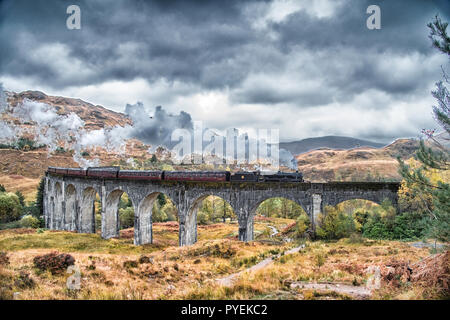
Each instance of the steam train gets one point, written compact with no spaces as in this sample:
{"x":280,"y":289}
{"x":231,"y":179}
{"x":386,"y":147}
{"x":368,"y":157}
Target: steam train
{"x":212,"y":176}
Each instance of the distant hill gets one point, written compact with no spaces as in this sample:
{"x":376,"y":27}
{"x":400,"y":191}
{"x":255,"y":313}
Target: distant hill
{"x":357,"y":164}
{"x":330,"y":142}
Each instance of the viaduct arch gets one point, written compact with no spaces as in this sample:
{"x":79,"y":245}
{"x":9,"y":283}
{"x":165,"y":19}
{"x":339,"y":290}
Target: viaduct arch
{"x":69,"y":201}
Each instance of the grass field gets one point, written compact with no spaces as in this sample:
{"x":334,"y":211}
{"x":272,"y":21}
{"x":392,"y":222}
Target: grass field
{"x":116,"y":269}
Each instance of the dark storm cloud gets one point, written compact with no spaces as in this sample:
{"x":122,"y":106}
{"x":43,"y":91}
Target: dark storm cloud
{"x":156,"y":130}
{"x":203,"y":42}
{"x":351,"y":58}
{"x":299,"y":62}
{"x":175,"y":40}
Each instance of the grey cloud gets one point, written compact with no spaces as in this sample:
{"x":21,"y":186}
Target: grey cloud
{"x":209,"y":45}
{"x":156,"y":129}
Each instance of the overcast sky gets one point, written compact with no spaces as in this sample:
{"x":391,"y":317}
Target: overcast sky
{"x":309,"y":68}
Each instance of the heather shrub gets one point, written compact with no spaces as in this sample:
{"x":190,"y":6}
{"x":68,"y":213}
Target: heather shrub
{"x":4,"y":259}
{"x":130,"y":264}
{"x":24,"y":281}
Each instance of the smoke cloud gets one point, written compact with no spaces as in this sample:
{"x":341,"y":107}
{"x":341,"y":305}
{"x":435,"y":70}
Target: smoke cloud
{"x":3,"y":103}
{"x":157,"y":129}
{"x":55,"y":130}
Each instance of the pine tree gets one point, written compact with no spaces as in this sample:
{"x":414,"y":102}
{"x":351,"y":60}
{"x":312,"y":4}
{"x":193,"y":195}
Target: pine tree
{"x":21,"y":198}
{"x":40,"y":197}
{"x":436,"y":157}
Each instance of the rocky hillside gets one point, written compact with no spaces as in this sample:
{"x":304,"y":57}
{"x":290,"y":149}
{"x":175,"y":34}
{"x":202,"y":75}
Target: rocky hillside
{"x":94,"y":116}
{"x":358,"y":164}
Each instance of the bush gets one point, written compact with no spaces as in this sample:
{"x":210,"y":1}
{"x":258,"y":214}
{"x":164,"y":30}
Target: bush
{"x":25,"y":144}
{"x":145,"y":259}
{"x":320,"y":259}
{"x":21,"y":198}
{"x":4,"y":259}
{"x":126,"y":217}
{"x":334,"y":224}
{"x":24,"y":281}
{"x":98,"y":221}
{"x":130,"y":264}
{"x":29,"y":221}
{"x":54,"y":262}
{"x":10,"y":208}
{"x":32,"y":209}
{"x":355,"y":238}
{"x":60,"y":150}
{"x":411,"y":226}
{"x":10,"y":225}
{"x":202,"y":218}
{"x":402,"y":227}
{"x":158,"y":215}
{"x":376,"y":228}
{"x":302,"y":225}
{"x":39,"y":203}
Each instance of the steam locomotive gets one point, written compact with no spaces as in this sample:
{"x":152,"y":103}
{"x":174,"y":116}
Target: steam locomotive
{"x":220,"y":176}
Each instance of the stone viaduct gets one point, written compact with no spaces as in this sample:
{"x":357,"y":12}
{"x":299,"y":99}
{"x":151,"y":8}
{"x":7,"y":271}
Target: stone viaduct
{"x":69,"y":202}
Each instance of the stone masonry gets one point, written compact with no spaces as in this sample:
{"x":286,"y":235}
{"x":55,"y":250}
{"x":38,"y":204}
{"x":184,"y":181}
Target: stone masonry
{"x":69,"y":202}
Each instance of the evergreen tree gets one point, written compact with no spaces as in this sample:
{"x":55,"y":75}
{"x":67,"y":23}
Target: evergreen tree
{"x":40,"y":197}
{"x":161,"y":199}
{"x":21,"y":198}
{"x":437,"y":156}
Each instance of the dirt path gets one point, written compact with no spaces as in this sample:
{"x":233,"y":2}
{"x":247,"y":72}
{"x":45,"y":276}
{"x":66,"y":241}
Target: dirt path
{"x":228,"y":280}
{"x":359,"y":292}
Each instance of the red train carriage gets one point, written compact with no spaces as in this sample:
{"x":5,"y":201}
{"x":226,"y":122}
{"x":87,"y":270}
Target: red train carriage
{"x":140,"y":175}
{"x":77,"y":172}
{"x":196,"y":175}
{"x":57,"y":170}
{"x":103,"y":172}
{"x":51,"y":169}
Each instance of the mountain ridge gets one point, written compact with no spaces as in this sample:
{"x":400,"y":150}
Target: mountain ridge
{"x":297,"y":147}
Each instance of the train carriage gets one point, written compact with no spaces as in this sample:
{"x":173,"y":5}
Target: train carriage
{"x":140,"y":175}
{"x":57,"y":170}
{"x":103,"y":172}
{"x":78,"y":172}
{"x":206,"y":176}
{"x":197,"y":175}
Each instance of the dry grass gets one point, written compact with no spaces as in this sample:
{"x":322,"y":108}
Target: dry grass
{"x":116,"y":269}
{"x":28,"y":186}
